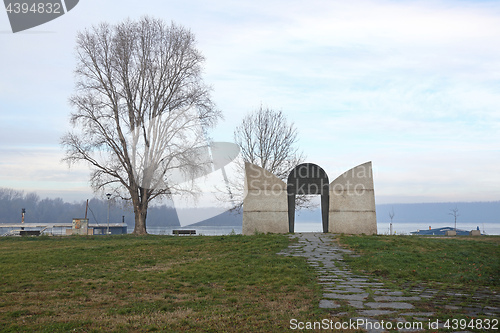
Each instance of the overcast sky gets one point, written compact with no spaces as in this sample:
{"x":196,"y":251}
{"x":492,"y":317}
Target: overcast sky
{"x":413,"y":86}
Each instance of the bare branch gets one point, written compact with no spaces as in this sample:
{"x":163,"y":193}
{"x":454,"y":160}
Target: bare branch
{"x":266,"y":139}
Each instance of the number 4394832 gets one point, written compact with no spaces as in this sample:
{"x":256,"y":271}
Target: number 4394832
{"x":455,"y":324}
{"x":36,"y":8}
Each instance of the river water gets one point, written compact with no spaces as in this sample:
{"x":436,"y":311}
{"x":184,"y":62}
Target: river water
{"x":382,"y":228}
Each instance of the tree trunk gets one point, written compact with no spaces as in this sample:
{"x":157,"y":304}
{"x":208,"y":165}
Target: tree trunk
{"x":140,"y":202}
{"x":140,"y":223}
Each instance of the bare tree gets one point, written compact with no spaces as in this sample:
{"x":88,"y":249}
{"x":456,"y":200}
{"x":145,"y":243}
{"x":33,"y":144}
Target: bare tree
{"x":391,"y":216}
{"x":266,"y":139}
{"x":454,"y":213}
{"x":141,"y":110}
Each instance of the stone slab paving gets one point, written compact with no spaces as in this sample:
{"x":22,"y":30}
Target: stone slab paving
{"x":366,"y":297}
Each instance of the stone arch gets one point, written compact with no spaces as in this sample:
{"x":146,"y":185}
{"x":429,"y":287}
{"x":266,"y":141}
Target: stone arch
{"x":308,"y":178}
{"x":347,"y":203}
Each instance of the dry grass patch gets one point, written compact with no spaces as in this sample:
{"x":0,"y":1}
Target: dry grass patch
{"x":153,"y":283}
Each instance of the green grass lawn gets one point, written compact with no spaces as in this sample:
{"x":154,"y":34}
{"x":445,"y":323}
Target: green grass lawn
{"x":210,"y":283}
{"x":457,"y":262}
{"x":153,"y":283}
{"x":462,"y":273}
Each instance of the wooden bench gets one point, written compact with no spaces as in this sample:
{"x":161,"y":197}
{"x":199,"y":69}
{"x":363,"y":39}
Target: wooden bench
{"x":184,"y":232}
{"x":29,"y":232}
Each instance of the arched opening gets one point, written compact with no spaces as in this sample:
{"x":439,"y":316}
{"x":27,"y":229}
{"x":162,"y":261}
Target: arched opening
{"x":307,"y":179}
{"x":308,"y":219}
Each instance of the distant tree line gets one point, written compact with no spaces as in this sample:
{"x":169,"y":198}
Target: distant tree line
{"x":47,"y":210}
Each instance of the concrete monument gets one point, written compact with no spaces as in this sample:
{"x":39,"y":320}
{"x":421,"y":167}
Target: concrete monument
{"x":265,"y":207}
{"x":352,"y":202}
{"x":347,"y":203}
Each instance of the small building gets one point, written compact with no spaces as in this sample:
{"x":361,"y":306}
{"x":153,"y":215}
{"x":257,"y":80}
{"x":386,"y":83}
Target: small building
{"x":77,"y":227}
{"x":440,"y":232}
{"x":114,"y":229}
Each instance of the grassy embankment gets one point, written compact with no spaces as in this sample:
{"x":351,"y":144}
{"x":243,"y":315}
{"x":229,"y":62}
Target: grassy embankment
{"x":210,"y":284}
{"x":444,"y":262}
{"x":153,"y":283}
{"x":460,"y":273}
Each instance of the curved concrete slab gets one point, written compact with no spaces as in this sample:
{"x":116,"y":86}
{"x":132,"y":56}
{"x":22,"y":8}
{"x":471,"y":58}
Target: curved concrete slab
{"x":265,"y":207}
{"x":352,"y":202}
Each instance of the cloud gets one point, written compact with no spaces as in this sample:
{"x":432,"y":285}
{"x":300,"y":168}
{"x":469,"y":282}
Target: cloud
{"x":39,"y":169}
{"x":411,"y":85}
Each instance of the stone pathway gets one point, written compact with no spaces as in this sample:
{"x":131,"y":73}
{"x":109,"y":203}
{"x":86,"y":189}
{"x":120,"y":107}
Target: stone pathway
{"x":367,"y":299}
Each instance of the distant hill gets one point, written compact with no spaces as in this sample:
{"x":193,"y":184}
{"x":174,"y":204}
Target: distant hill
{"x":57,"y":211}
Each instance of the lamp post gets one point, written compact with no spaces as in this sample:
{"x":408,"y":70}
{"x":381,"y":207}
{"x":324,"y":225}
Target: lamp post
{"x":109,"y":197}
{"x":23,"y":211}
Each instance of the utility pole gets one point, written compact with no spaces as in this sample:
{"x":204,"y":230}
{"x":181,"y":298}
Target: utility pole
{"x":454,"y":213}
{"x":86,"y":208}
